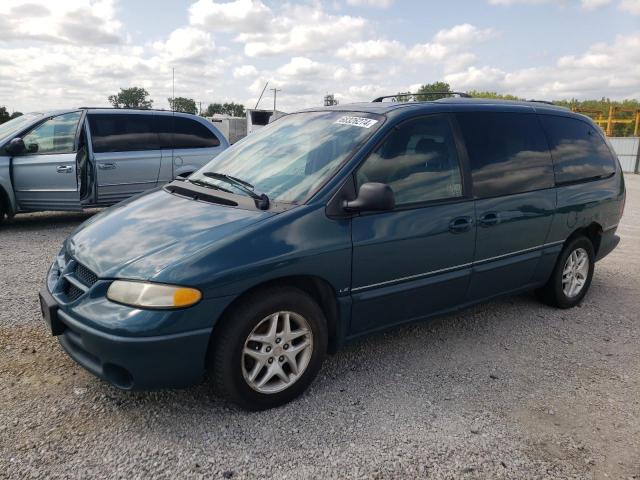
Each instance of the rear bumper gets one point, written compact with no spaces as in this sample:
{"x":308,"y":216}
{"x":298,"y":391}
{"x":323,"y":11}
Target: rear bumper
{"x":608,"y":242}
{"x":133,"y":363}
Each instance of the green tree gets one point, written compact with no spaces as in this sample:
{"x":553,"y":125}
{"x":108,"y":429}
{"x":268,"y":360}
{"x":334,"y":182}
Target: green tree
{"x":16,"y":114}
{"x":134,"y":97}
{"x":182,"y":104}
{"x":496,"y":95}
{"x":231,"y":108}
{"x":4,"y":115}
{"x":428,"y":91}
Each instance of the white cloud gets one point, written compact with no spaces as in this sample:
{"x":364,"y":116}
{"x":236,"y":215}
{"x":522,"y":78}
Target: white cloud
{"x":631,"y":6}
{"x":70,"y":21}
{"x":449,"y":47}
{"x":302,"y":29}
{"x":301,"y":67}
{"x":186,"y":44}
{"x":593,"y":4}
{"x":371,"y":50}
{"x":605,"y":69}
{"x":239,"y":15}
{"x":245,"y":71}
{"x":463,"y":34}
{"x":371,"y":3}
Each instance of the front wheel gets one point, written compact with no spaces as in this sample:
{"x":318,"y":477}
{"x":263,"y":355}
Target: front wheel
{"x":268,"y":349}
{"x":571,"y":277}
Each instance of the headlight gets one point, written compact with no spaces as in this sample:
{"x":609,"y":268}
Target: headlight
{"x":152,"y":295}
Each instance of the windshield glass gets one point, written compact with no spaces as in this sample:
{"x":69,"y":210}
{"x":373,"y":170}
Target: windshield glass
{"x":17,"y":123}
{"x":292,"y":157}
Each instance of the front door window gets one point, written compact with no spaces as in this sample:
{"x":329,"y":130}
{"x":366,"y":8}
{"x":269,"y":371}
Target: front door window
{"x":418,"y":160}
{"x":56,"y":135}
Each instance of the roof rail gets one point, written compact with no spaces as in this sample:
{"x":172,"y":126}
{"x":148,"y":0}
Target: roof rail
{"x":460,"y":94}
{"x":129,"y":108}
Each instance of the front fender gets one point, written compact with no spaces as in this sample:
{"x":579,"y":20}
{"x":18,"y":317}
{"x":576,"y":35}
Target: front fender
{"x":300,"y":242}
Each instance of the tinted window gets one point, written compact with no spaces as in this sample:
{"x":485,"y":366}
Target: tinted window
{"x":189,"y":133}
{"x":508,"y":152}
{"x":56,"y":135}
{"x":418,"y":160}
{"x":114,"y":132}
{"x":578,"y":149}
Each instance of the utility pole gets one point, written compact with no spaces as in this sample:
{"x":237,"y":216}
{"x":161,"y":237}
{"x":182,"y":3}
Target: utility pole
{"x":275,"y":94}
{"x":173,"y":87}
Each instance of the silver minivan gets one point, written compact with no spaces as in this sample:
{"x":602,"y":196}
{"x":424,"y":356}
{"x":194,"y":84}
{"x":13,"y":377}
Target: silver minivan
{"x":89,"y":157}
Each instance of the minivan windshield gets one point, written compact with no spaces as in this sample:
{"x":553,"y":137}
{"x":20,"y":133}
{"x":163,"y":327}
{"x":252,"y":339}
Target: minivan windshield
{"x":292,"y":157}
{"x":15,"y":124}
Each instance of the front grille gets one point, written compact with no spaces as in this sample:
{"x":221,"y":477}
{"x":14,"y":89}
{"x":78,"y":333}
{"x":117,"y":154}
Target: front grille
{"x":72,"y":292}
{"x":85,"y":275}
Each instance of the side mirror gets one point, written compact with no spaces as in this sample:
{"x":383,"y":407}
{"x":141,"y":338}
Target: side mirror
{"x":372,"y":197}
{"x":15,"y":146}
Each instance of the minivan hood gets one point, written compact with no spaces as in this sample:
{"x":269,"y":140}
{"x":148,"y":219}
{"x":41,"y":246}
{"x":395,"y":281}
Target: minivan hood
{"x":140,"y":237}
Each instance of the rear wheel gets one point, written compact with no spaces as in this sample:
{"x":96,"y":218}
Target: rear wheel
{"x":268,"y":349}
{"x":571,"y":277}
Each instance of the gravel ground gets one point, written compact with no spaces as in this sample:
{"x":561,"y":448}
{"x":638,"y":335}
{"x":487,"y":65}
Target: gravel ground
{"x":509,"y":389}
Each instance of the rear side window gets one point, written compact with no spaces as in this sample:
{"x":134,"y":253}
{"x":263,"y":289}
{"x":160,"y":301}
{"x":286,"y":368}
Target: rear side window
{"x":122,"y":132}
{"x":188,"y":133}
{"x":418,"y":160}
{"x":579,"y":152}
{"x":508,"y":152}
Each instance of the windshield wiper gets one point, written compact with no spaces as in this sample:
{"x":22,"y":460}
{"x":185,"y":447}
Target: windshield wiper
{"x":207,"y":185}
{"x":262,"y":201}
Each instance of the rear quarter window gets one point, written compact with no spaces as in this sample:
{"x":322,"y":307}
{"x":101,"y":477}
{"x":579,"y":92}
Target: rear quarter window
{"x":508,"y":152}
{"x":188,"y":133}
{"x":578,"y":149}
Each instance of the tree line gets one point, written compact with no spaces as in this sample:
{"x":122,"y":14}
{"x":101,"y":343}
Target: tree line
{"x":592,"y":108}
{"x":136,"y":97}
{"x":5,"y":116}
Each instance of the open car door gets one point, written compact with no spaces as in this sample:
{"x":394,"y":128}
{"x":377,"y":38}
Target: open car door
{"x":45,"y":176}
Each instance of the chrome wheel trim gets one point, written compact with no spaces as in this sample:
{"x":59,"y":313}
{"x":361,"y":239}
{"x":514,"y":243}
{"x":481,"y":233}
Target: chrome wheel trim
{"x":277,"y":352}
{"x":575,"y":272}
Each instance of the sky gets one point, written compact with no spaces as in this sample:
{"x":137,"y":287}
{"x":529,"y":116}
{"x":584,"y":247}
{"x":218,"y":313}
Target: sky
{"x":72,"y":53}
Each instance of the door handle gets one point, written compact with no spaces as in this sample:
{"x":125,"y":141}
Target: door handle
{"x":64,"y":169}
{"x":489,"y":219}
{"x":106,"y":166}
{"x":460,"y":224}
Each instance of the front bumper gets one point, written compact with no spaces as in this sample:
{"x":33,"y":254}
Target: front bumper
{"x":132,"y":363}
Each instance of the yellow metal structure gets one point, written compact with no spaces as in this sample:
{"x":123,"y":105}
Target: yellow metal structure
{"x":607,"y":123}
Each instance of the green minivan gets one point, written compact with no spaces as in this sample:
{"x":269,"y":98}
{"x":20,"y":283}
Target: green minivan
{"x":327,"y":225}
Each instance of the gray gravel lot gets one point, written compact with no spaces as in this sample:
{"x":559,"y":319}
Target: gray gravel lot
{"x":509,"y":389}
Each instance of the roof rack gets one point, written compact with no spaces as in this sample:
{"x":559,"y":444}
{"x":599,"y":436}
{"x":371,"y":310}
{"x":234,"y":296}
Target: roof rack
{"x":541,"y":101}
{"x":460,"y":94}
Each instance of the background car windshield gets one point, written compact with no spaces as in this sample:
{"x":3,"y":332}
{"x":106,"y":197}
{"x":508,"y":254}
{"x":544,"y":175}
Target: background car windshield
{"x":17,"y":123}
{"x":295,"y":155}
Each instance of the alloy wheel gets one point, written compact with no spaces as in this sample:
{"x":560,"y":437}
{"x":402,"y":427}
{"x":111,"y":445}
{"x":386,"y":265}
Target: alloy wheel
{"x":277,"y":352}
{"x":575,"y":272}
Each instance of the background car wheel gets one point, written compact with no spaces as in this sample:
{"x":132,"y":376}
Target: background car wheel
{"x":2,"y":208}
{"x":268,"y":349}
{"x":571,"y":276}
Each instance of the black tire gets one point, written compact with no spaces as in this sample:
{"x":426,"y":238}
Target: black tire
{"x":2,"y":208}
{"x":553,"y":293}
{"x":225,"y":361}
